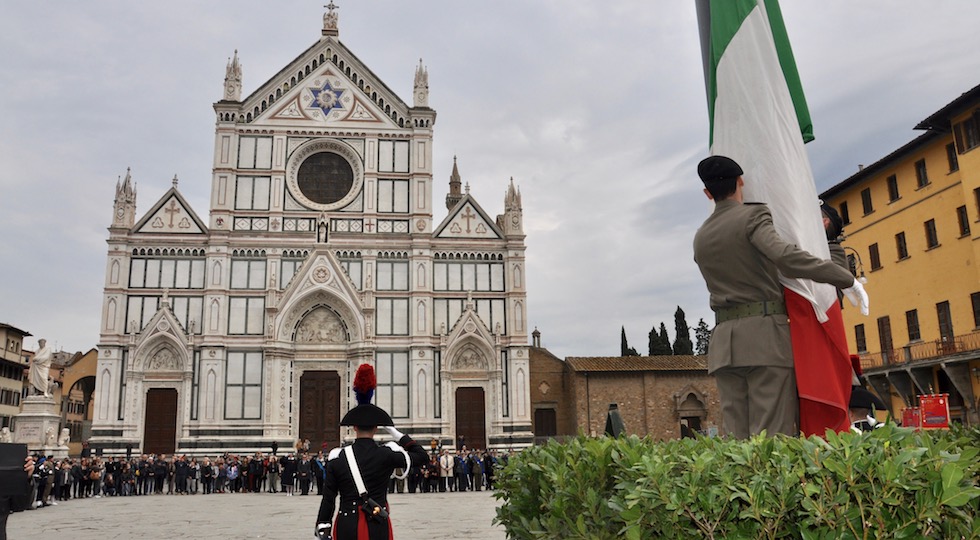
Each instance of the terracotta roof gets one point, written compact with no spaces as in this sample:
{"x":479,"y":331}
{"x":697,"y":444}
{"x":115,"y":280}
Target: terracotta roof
{"x":639,"y":363}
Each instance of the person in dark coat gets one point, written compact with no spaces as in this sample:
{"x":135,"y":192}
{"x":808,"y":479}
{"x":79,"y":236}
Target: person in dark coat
{"x":363,"y":516}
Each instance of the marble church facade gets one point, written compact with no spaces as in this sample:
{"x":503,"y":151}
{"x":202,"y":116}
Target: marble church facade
{"x":228,"y":331}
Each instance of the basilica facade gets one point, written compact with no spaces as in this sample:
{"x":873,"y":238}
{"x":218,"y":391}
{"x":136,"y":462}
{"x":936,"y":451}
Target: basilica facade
{"x":230,"y":331}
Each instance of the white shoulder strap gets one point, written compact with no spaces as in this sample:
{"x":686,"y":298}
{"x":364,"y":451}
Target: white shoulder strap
{"x":354,"y":470}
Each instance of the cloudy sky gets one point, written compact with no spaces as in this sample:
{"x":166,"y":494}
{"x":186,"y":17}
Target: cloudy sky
{"x":596,"y":109}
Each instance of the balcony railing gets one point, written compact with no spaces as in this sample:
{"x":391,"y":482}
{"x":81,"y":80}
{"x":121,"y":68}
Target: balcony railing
{"x":924,"y":350}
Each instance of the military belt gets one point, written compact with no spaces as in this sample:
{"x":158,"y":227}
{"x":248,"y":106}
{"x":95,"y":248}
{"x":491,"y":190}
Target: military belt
{"x":754,"y":309}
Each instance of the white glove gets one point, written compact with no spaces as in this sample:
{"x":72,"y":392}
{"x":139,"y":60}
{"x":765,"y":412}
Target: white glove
{"x":322,"y":531}
{"x":858,"y":297}
{"x":395,"y":434}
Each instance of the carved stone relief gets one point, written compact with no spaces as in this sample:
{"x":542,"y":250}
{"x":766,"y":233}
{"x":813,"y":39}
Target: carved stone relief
{"x":163,"y":360}
{"x":321,"y":326}
{"x":470,"y":359}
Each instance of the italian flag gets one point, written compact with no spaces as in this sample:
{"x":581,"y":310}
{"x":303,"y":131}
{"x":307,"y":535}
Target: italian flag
{"x":759,"y":118}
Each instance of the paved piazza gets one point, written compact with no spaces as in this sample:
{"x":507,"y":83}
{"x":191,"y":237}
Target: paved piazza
{"x":249,"y":515}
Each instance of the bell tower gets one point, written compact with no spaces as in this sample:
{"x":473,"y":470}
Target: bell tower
{"x":124,"y":206}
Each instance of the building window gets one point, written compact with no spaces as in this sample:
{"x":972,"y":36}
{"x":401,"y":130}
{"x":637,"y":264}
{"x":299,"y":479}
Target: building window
{"x":967,"y":133}
{"x":954,"y":162}
{"x":392,"y":391}
{"x":393,"y":156}
{"x":901,"y":247}
{"x":975,"y":302}
{"x":964,"y":221}
{"x":468,"y":276}
{"x":844,"y":215}
{"x":243,"y":386}
{"x":392,"y":276}
{"x":921,"y":178}
{"x":252,"y":193}
{"x":437,"y":381}
{"x":195,"y":383}
{"x":945,"y":321}
{"x":448,"y":310}
{"x":885,"y":339}
{"x":248,"y":274}
{"x":875,"y":258}
{"x":288,"y":269}
{"x":139,"y":311}
{"x":852,"y":264}
{"x":166,"y":273}
{"x":189,"y":311}
{"x":860,"y":341}
{"x":353,"y":269}
{"x":932,"y":238}
{"x":393,"y":196}
{"x":893,"y":194}
{"x":505,"y":383}
{"x":866,"y":201}
{"x":246,"y":315}
{"x":912,"y":321}
{"x":392,"y":316}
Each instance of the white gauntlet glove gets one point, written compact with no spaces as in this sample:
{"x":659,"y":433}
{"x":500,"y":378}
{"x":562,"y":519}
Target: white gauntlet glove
{"x":395,"y":434}
{"x":858,"y":297}
{"x":322,"y":531}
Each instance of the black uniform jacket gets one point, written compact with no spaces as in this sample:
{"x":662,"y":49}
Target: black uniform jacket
{"x":376,"y":464}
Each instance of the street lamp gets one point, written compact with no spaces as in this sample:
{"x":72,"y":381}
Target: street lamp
{"x":855,"y":264}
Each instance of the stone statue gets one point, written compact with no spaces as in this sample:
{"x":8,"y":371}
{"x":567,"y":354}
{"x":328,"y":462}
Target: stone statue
{"x":40,"y":366}
{"x":5,"y":436}
{"x":49,"y":437}
{"x":65,"y":437}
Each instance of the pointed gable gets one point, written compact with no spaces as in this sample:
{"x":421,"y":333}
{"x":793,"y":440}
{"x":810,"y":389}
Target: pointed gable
{"x":468,"y":220}
{"x":326,"y":84}
{"x":171,"y":215}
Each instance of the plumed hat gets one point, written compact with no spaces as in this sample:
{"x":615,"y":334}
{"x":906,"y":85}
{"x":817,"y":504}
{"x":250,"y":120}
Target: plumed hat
{"x":861,"y":398}
{"x":714,"y":168}
{"x":366,"y":413}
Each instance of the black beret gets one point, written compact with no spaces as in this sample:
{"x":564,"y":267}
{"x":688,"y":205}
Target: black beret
{"x":715,"y":168}
{"x":861,"y":398}
{"x":836,"y":223}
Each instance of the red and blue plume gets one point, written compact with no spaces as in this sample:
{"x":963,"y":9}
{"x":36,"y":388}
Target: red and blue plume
{"x":364,"y":384}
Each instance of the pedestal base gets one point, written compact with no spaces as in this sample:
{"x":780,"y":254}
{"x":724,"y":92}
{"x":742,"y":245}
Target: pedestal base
{"x":38,"y":426}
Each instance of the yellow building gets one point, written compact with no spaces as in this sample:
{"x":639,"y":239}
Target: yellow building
{"x":12,"y":366}
{"x":911,"y":225}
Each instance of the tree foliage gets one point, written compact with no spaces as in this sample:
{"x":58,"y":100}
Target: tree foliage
{"x":702,"y":337}
{"x":682,"y":337}
{"x":624,"y":346}
{"x":659,"y":342}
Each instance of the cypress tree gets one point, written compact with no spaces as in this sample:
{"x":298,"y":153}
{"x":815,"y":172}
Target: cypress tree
{"x":682,"y":340}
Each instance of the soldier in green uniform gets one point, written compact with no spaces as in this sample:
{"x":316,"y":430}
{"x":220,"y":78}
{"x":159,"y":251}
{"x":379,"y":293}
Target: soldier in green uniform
{"x":740,"y":256}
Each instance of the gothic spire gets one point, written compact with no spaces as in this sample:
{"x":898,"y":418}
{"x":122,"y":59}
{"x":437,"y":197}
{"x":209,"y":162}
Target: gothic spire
{"x":421,"y":92}
{"x":512,"y":201}
{"x":454,"y":195}
{"x":233,"y":79}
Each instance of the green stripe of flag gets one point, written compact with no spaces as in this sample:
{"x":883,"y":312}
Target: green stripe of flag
{"x":723,"y":21}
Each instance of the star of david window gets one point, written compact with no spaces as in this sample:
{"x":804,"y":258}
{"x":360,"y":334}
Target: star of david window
{"x":326,"y":98}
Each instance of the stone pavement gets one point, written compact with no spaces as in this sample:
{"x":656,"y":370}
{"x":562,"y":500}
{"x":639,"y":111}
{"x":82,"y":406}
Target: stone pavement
{"x":227,"y":516}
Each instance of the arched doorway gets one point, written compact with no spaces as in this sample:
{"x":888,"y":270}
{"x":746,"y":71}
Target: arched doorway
{"x":319,"y":409}
{"x":471,"y":417}
{"x":160,"y":422}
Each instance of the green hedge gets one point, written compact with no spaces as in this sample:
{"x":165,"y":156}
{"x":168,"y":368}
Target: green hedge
{"x":891,"y":483}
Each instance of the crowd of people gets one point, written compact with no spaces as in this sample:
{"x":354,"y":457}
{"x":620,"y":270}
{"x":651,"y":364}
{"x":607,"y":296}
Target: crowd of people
{"x":295,"y":473}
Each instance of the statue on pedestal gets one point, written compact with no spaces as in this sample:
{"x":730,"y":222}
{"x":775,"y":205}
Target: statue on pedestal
{"x":40,"y":366}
